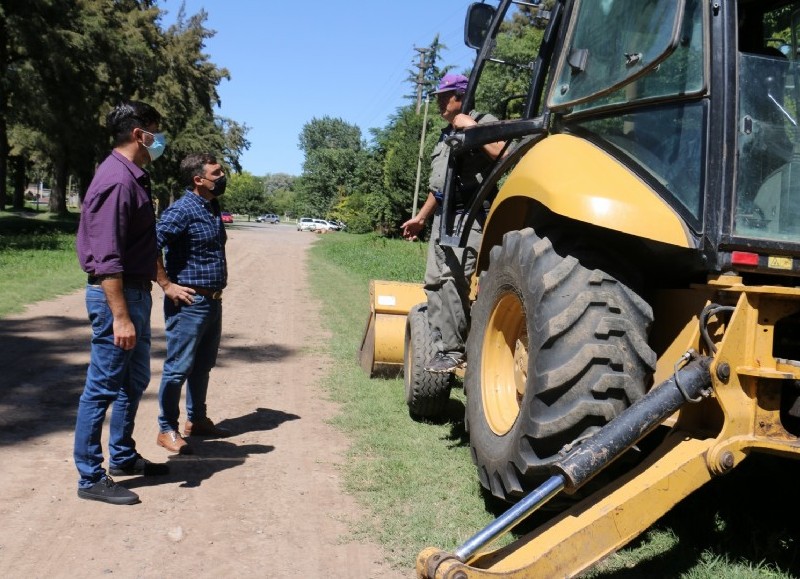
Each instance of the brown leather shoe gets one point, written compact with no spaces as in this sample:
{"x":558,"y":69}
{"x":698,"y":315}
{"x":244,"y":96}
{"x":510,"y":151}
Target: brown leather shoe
{"x":173,"y":442}
{"x":204,"y":427}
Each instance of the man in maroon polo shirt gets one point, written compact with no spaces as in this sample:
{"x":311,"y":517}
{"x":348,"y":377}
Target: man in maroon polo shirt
{"x":117,"y":249}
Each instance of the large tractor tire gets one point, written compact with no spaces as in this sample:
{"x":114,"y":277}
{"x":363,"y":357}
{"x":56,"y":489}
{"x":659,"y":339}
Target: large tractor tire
{"x":427,"y":394}
{"x":555,"y":352}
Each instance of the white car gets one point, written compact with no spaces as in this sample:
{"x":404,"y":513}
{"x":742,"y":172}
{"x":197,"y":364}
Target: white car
{"x":306,"y":224}
{"x":322,"y":225}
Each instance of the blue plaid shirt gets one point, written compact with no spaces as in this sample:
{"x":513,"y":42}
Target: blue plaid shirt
{"x":192,"y":236}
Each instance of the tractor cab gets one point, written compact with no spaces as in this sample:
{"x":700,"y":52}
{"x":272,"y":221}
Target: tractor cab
{"x":698,"y":100}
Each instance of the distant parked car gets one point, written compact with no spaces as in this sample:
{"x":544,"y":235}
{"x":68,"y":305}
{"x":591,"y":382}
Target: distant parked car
{"x":267,"y":218}
{"x":322,"y":225}
{"x":305,"y":224}
{"x":227,"y":217}
{"x":332,"y":225}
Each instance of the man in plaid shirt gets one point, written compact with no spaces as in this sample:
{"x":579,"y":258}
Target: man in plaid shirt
{"x":193,"y":272}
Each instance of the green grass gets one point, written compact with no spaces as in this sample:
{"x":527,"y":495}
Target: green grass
{"x":416,"y":480}
{"x":37,"y":260}
{"x":373,"y":257}
{"x":396,"y":466}
{"x":420,"y":487}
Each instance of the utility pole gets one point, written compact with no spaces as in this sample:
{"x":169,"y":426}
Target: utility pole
{"x":420,"y":83}
{"x":421,"y":74}
{"x":419,"y":158}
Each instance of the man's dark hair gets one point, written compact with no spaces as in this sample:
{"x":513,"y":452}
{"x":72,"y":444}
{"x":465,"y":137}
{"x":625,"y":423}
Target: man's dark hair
{"x":193,"y":165}
{"x":128,"y":116}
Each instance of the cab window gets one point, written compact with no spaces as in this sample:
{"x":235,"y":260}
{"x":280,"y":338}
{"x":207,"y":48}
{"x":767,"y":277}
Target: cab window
{"x":657,"y":119}
{"x":613,"y":42}
{"x":768,"y":167}
{"x":505,"y":80}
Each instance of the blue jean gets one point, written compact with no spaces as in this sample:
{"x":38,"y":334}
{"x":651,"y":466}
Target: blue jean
{"x":193,"y":336}
{"x":115,"y":378}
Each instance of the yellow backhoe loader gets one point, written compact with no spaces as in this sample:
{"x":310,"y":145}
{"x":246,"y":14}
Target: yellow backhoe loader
{"x":639,"y":265}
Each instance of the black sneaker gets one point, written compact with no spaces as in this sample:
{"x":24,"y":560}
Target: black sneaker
{"x":107,"y":491}
{"x":443,"y":363}
{"x":140,"y":465}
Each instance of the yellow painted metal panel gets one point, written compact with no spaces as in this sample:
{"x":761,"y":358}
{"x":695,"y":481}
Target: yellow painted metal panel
{"x":384,"y":335}
{"x":394,"y":297}
{"x":576,"y":179}
{"x":390,"y":332}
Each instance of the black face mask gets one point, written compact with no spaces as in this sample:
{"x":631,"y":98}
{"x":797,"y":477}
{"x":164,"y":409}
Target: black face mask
{"x":219,"y":186}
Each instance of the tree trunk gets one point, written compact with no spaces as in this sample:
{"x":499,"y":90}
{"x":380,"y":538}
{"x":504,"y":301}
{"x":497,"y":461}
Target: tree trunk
{"x":18,"y":201}
{"x":3,"y":155}
{"x":84,"y":178}
{"x":58,"y":194}
{"x":3,"y":112}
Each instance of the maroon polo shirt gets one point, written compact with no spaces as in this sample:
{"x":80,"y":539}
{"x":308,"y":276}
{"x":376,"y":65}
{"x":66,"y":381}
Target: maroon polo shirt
{"x":117,"y":231}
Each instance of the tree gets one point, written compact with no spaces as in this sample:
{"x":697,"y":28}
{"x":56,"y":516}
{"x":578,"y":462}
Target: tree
{"x":11,"y":22}
{"x":329,"y":133}
{"x":328,"y":175}
{"x":517,"y":45}
{"x":21,"y":25}
{"x":333,"y":151}
{"x":388,"y":199}
{"x":364,"y":208}
{"x":279,"y":193}
{"x":397,"y":147}
{"x":277,"y":182}
{"x":244,"y":194}
{"x":431,"y":72}
{"x":284,"y":202}
{"x":91,"y":52}
{"x":186,"y":94}
{"x":65,"y":64}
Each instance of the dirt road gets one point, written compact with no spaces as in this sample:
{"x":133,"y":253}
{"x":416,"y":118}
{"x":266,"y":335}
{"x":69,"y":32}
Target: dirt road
{"x":266,"y":502}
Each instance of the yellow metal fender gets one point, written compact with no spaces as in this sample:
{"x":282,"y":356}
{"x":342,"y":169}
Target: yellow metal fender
{"x":574,"y":178}
{"x":381,"y":350}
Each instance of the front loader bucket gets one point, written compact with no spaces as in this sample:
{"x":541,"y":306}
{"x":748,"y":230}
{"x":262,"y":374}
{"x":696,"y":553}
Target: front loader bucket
{"x":381,"y":350}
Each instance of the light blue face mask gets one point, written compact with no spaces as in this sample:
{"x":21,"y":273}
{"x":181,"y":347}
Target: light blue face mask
{"x":156,"y":149}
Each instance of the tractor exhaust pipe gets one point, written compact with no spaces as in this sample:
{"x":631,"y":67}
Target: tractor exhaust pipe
{"x":689,"y":384}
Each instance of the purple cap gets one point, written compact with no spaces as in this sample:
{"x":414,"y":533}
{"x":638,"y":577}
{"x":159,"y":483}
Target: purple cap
{"x":451,"y":82}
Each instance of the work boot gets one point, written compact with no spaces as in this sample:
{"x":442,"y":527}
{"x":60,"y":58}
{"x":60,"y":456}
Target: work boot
{"x":107,"y":491}
{"x":173,"y":442}
{"x":204,"y":427}
{"x":443,"y":363}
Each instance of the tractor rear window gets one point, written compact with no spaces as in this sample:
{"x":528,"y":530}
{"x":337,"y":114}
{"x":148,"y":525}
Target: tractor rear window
{"x":768,"y":175}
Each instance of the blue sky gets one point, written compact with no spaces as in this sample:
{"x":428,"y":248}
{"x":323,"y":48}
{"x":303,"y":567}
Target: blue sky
{"x":294,"y":61}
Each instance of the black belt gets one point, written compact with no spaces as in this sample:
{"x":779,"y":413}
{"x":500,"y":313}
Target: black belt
{"x":207,"y":293}
{"x":128,"y":282}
